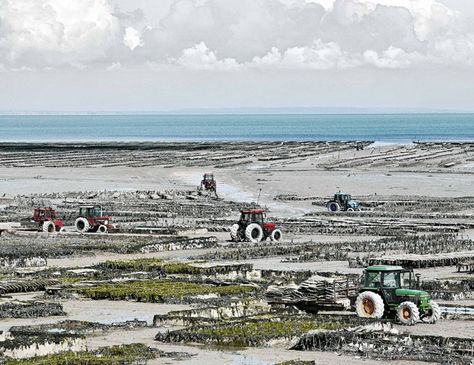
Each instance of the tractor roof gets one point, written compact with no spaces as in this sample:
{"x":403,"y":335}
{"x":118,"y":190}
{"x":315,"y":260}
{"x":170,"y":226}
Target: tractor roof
{"x":89,"y":206}
{"x":252,"y":211}
{"x":384,"y":268}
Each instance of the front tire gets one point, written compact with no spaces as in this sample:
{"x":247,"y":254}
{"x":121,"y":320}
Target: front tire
{"x":102,"y":229}
{"x":49,"y":227}
{"x":82,"y":225}
{"x":408,"y":313}
{"x":333,"y":207}
{"x":433,"y":314}
{"x":369,"y":305}
{"x":276,"y":235}
{"x":254,"y":233}
{"x":350,"y":209}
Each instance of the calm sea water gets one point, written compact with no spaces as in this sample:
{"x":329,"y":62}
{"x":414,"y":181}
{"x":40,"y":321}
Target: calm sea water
{"x":378,"y":127}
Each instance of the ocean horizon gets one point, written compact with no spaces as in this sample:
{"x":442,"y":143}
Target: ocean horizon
{"x":387,"y":128}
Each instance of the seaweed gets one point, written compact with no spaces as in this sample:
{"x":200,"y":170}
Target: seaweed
{"x":159,"y":291}
{"x":119,"y":354}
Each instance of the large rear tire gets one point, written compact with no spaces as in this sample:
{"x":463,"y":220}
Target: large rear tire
{"x":369,"y":305}
{"x":276,"y":235}
{"x":434,"y":313}
{"x":234,"y":233}
{"x":408,"y":313}
{"x":333,"y":207}
{"x":49,"y":227}
{"x":254,"y":233}
{"x":82,"y":225}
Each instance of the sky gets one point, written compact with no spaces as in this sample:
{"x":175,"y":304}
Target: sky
{"x":168,"y":55}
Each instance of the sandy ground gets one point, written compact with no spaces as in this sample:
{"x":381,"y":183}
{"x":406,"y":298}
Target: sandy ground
{"x":238,"y":183}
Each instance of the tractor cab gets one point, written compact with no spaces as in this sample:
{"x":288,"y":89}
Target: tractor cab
{"x":208,"y":177}
{"x":342,"y":201}
{"x":90,"y":211}
{"x":345,"y":200}
{"x":43,"y":214}
{"x":252,"y":216}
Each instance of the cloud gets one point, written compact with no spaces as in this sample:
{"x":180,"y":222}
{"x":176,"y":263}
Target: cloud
{"x":200,"y":57}
{"x":132,"y":38}
{"x":52,"y":32}
{"x":225,"y":35}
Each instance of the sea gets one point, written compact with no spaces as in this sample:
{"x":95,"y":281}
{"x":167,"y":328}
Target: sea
{"x":383,"y":128}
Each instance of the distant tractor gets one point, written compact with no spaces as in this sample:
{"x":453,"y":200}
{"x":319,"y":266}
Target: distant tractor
{"x":388,"y":291}
{"x":47,"y":220}
{"x":342,"y":202}
{"x":208,"y":183}
{"x":91,"y":219}
{"x":252,"y":227}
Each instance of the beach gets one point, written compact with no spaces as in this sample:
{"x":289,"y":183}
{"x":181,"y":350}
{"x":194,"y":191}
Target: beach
{"x":416,"y":204}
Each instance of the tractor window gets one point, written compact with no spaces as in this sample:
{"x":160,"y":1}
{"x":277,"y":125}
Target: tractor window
{"x":96,"y":212}
{"x":257,"y":217}
{"x":245,"y":217}
{"x":405,"y":280}
{"x":372,"y":280}
{"x":391,"y":280}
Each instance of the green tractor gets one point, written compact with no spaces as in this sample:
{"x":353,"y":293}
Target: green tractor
{"x":387,"y":291}
{"x":342,"y":202}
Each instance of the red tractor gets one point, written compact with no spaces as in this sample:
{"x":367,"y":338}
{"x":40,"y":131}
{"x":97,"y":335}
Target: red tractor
{"x":46,"y":220}
{"x":91,"y":219}
{"x":252,"y":226}
{"x":208,"y":183}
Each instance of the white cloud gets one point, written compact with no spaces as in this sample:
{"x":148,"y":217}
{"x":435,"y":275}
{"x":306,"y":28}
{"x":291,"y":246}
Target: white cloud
{"x":132,"y":38}
{"x":229,"y":35}
{"x":200,"y":57}
{"x":51,"y":32}
{"x":320,"y":56}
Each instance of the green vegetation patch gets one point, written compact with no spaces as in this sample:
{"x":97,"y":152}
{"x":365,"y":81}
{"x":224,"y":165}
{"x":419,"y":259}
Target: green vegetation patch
{"x":272,"y":329}
{"x":123,"y":354}
{"x":152,"y":264}
{"x":250,"y":333}
{"x":159,"y":291}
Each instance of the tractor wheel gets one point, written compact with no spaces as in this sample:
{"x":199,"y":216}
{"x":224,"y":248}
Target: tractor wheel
{"x":350,"y":209}
{"x":276,"y":235}
{"x":369,"y":305}
{"x":49,"y":227}
{"x":102,"y":229}
{"x":433,"y":314}
{"x":333,"y":207}
{"x":408,"y":313}
{"x":234,"y":232}
{"x":82,"y":225}
{"x":254,"y":233}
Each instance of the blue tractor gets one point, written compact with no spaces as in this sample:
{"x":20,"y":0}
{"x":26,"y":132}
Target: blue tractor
{"x":342,"y":202}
